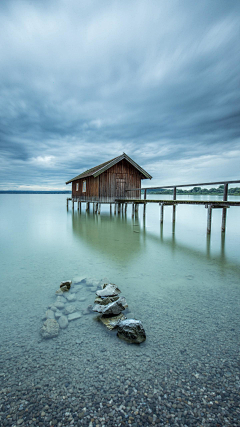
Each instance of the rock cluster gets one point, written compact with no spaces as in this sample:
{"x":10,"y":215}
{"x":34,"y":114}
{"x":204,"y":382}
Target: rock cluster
{"x":110,"y":306}
{"x":61,"y":312}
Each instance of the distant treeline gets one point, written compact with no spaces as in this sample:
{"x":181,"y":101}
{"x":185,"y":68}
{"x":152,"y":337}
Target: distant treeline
{"x":34,"y":192}
{"x":235,"y":191}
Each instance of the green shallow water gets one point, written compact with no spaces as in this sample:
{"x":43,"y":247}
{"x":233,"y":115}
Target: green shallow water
{"x":183,"y":285}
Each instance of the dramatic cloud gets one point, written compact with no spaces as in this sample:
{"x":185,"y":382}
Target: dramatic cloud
{"x":83,"y":81}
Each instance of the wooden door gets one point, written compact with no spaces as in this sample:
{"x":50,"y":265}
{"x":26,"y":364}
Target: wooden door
{"x":120,"y":188}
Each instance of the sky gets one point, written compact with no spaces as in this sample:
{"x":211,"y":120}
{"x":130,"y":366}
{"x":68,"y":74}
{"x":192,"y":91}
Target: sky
{"x":83,"y":81}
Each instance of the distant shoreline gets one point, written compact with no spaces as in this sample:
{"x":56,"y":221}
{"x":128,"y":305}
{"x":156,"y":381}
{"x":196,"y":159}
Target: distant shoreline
{"x":196,"y":191}
{"x":34,"y":192}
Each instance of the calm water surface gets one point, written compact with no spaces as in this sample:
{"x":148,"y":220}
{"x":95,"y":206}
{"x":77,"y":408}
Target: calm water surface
{"x":183,"y":285}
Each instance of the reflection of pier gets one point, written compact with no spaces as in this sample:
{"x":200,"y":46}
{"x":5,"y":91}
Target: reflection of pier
{"x":121,"y":204}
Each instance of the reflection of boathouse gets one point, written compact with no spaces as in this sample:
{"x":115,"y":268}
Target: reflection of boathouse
{"x":109,"y":181}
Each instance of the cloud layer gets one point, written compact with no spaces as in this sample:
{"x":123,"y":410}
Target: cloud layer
{"x":81,"y":82}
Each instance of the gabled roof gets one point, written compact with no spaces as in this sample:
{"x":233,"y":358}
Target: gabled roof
{"x":97,"y":170}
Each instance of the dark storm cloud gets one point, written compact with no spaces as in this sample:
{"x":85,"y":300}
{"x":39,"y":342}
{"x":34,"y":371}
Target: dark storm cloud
{"x":81,"y":82}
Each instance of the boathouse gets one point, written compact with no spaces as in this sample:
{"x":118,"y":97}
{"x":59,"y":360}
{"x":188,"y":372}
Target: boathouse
{"x":109,"y":181}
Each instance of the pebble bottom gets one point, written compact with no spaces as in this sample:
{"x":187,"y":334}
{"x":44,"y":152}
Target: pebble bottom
{"x":182,"y":375}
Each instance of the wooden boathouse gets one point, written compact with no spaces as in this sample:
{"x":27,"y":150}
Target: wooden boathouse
{"x":109,"y":181}
{"x":118,"y":182}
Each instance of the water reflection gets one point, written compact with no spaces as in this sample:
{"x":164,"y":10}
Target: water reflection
{"x":125,"y":237}
{"x":116,"y":237}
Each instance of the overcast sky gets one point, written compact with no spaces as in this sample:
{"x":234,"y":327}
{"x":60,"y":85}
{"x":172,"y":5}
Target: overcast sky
{"x":83,"y":81}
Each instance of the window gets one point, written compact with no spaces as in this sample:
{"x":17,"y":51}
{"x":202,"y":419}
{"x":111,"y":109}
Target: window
{"x":84,"y":186}
{"x":77,"y":186}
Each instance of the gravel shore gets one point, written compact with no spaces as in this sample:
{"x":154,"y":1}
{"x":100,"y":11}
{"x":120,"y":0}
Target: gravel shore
{"x":183,"y":375}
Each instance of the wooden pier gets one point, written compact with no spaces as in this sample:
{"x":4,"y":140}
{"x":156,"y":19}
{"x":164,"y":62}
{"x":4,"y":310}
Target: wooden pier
{"x":120,"y":204}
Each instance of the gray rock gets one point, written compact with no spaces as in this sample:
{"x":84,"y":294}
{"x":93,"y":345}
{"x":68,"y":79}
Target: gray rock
{"x":98,"y":308}
{"x":112,"y":309}
{"x":50,"y":314}
{"x":69,"y":309}
{"x":71,"y":297}
{"x":82,"y":299}
{"x":74,"y":316}
{"x":108,"y":291}
{"x":63,"y":322}
{"x":50,"y":329}
{"x":112,"y":322}
{"x":66,"y":284}
{"x":106,"y":300}
{"x":58,"y":314}
{"x":131,"y":330}
{"x":123,"y":302}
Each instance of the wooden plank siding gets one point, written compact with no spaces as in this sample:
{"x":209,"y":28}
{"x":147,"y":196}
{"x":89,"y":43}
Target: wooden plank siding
{"x":92,"y":188}
{"x":111,"y":184}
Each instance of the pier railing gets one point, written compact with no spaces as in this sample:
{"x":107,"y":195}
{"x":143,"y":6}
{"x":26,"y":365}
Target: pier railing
{"x":209,"y":204}
{"x":174,"y":187}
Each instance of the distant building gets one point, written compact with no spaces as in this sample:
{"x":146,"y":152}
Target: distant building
{"x":109,"y":181}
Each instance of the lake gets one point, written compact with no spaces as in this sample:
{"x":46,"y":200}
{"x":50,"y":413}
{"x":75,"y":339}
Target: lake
{"x":182,"y":284}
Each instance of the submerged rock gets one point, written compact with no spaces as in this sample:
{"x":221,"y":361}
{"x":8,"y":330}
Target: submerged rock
{"x":112,"y":322}
{"x":50,"y":329}
{"x":69,"y":309}
{"x":63,"y":322}
{"x":59,"y":305}
{"x":74,"y":316}
{"x":131,"y":330}
{"x":71,"y":297}
{"x":58,"y":314}
{"x":108,"y":291}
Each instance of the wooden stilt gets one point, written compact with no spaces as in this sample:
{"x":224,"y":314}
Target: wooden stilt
{"x":161,"y":212}
{"x":224,"y":216}
{"x":209,"y":219}
{"x":133,"y":209}
{"x":99,"y":208}
{"x":80,"y":207}
{"x":110,"y":208}
{"x":96,"y":208}
{"x":115,"y":208}
{"x":72,"y":204}
{"x":224,"y":211}
{"x":87,"y":206}
{"x":119,"y":208}
{"x":67,"y":203}
{"x":122,"y":208}
{"x":174,"y":213}
{"x":144,"y":209}
{"x":126,"y":208}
